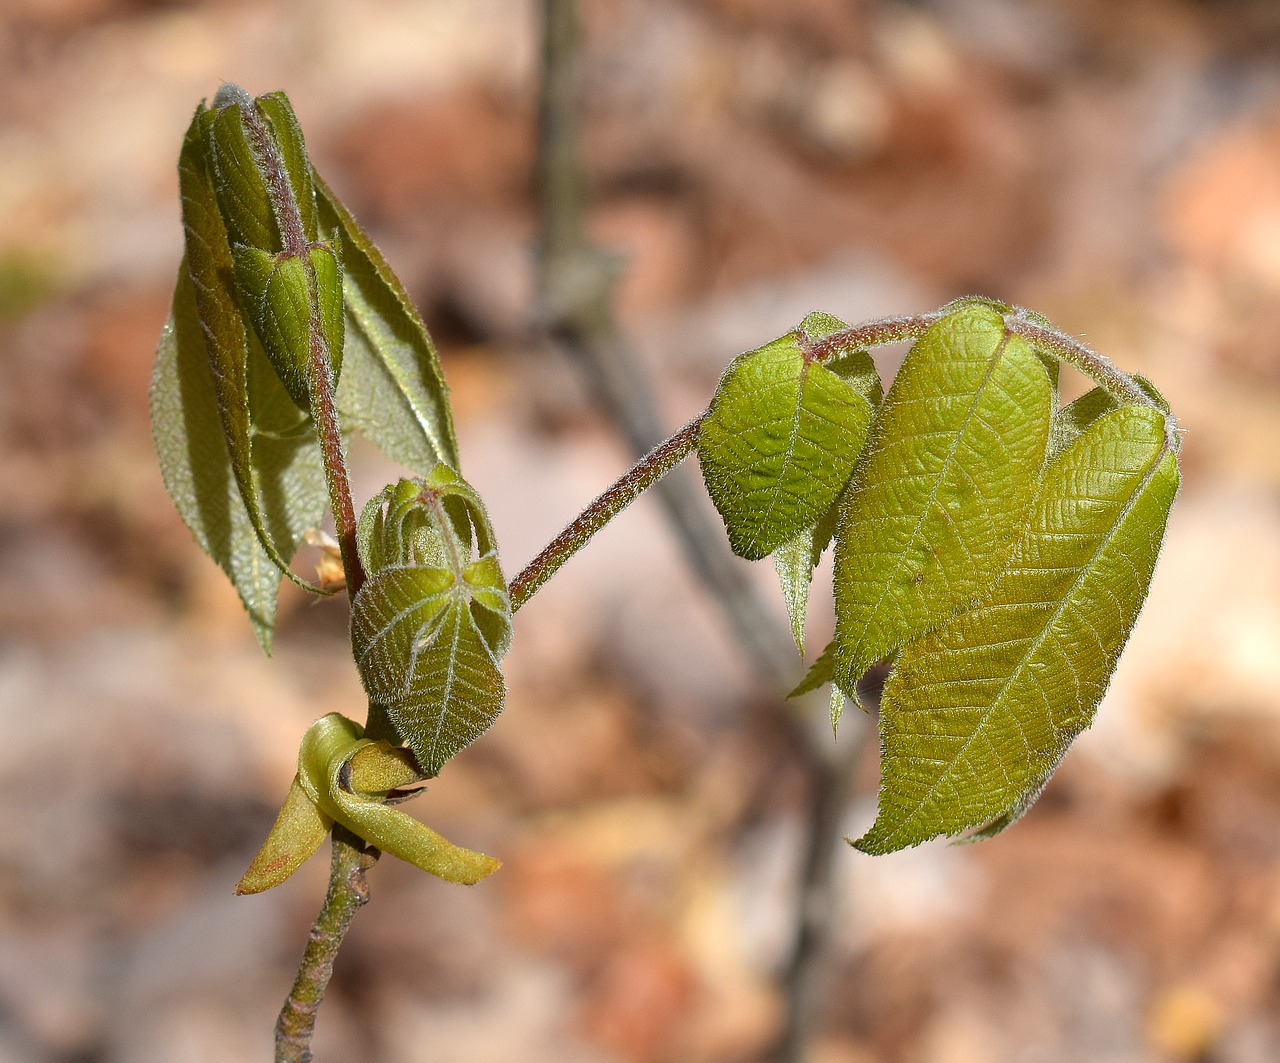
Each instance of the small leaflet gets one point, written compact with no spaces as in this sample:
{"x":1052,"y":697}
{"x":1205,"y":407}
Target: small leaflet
{"x":781,"y":437}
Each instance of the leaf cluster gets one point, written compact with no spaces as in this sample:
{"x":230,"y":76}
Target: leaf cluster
{"x":994,"y":545}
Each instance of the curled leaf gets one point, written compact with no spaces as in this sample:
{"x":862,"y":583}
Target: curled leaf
{"x":298,"y":831}
{"x":433,"y":619}
{"x":323,"y":769}
{"x":346,"y":778}
{"x":778,"y":444}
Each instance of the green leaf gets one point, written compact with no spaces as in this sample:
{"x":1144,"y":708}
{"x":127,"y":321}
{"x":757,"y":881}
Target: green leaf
{"x":278,"y":112}
{"x":433,"y":620}
{"x":794,"y":561}
{"x":392,"y":390}
{"x":209,"y":321}
{"x":943,"y":489}
{"x":239,"y":186}
{"x":823,"y":670}
{"x":778,"y":444}
{"x":326,"y":757}
{"x":978,"y":714}
{"x":298,"y":831}
{"x":284,"y":298}
{"x":425,"y":662}
{"x":199,"y":476}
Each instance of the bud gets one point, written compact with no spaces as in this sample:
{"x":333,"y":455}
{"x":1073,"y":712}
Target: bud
{"x":287,"y":277}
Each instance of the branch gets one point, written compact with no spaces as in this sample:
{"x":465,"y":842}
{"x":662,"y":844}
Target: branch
{"x":348,"y":893}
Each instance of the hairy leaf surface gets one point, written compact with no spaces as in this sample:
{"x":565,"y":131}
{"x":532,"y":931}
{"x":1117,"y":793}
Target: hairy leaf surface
{"x":778,"y":444}
{"x":978,"y":714}
{"x":423,"y":659}
{"x":392,"y":388}
{"x":943,"y":489}
{"x":199,"y":476}
{"x":434,"y":619}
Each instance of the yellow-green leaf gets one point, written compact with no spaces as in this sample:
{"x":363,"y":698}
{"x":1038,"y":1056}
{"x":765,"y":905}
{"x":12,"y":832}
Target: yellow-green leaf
{"x":977,"y":715}
{"x":298,"y":831}
{"x":324,"y":761}
{"x":943,"y":488}
{"x":780,"y":439}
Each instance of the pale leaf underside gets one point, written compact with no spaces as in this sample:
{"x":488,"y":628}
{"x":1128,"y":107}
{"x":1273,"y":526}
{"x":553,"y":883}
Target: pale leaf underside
{"x":425,"y":660}
{"x":978,"y":714}
{"x":197,"y":469}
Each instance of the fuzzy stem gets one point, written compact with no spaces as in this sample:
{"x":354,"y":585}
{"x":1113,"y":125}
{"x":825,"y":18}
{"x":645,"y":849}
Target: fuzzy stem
{"x":348,"y":887}
{"x":629,"y":486}
{"x":1073,"y":352}
{"x":671,"y":452}
{"x":348,"y":893}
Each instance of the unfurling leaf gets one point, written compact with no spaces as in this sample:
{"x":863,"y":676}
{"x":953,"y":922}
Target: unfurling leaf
{"x":977,"y":714}
{"x":780,"y":439}
{"x":346,"y":778}
{"x":942,"y":491}
{"x":392,"y":390}
{"x":433,"y":620}
{"x":257,"y":312}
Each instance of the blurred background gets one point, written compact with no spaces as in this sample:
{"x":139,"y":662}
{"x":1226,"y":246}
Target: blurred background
{"x":1115,"y":166}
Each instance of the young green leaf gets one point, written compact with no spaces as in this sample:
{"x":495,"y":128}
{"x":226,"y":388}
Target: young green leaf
{"x":200,"y":477}
{"x":433,"y":620}
{"x":942,"y":491}
{"x":425,"y":662}
{"x":299,"y":830}
{"x":326,"y":774}
{"x":977,"y":714}
{"x":393,"y":390}
{"x":778,"y":444}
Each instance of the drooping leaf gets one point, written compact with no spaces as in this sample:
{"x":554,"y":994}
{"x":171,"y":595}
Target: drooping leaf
{"x":978,"y":714}
{"x":433,"y":620}
{"x":943,"y":488}
{"x":212,"y":317}
{"x":780,"y":439}
{"x":198,"y":473}
{"x":291,"y":302}
{"x":794,"y":561}
{"x":392,"y":390}
{"x":822,"y":671}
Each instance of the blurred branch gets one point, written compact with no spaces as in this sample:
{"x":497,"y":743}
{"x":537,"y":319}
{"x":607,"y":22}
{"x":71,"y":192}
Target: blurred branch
{"x":575,"y":284}
{"x":575,"y":289}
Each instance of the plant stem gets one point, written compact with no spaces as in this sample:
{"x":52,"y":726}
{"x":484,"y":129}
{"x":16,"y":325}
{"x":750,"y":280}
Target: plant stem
{"x":1073,"y":352}
{"x":348,"y":893}
{"x":673,"y":450}
{"x":629,"y":486}
{"x":348,"y":888}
